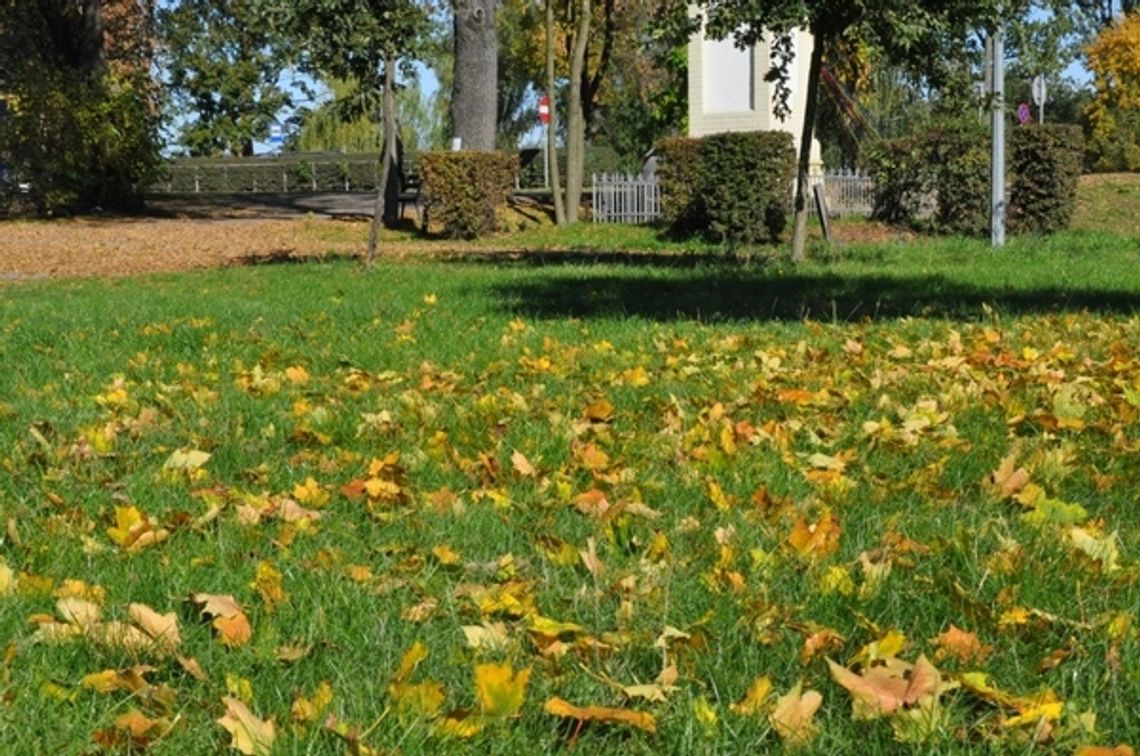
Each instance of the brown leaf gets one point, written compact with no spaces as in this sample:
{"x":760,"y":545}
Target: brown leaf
{"x":522,"y":465}
{"x":1008,"y":477}
{"x":883,"y":689}
{"x":641,"y":720}
{"x":163,"y":628}
{"x":815,"y":540}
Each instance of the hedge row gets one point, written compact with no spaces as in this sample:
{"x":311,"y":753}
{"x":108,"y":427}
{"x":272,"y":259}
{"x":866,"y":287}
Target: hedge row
{"x":463,"y":190}
{"x":735,"y":187}
{"x":940,"y":180}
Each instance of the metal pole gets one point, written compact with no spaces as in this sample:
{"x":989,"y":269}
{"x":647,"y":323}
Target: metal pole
{"x":997,"y":165}
{"x":546,"y":159}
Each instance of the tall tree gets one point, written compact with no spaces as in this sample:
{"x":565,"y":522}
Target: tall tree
{"x":914,"y":31}
{"x":1115,"y":110}
{"x":224,"y":67}
{"x":83,"y":131}
{"x":475,"y":82}
{"x":361,"y":40}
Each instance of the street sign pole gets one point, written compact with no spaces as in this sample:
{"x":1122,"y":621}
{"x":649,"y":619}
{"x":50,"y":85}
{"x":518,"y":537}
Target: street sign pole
{"x":544,"y":119}
{"x":997,"y":165}
{"x":1039,"y":96}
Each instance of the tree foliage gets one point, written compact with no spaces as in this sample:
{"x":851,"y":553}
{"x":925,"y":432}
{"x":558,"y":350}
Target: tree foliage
{"x":1114,"y":112}
{"x":81,"y":129}
{"x":224,"y":67}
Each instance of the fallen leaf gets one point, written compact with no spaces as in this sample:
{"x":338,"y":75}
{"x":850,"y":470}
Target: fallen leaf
{"x":499,"y":690}
{"x":251,"y":735}
{"x":163,"y":628}
{"x":959,"y":644}
{"x":815,"y":540}
{"x":792,"y":717}
{"x":639,"y":719}
{"x":755,"y":699}
{"x":885,"y":688}
{"x":522,"y":465}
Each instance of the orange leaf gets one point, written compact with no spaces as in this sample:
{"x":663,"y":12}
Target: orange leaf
{"x":163,"y":628}
{"x":641,"y":720}
{"x":815,"y":540}
{"x":233,"y":631}
{"x":883,"y":689}
{"x":959,"y":644}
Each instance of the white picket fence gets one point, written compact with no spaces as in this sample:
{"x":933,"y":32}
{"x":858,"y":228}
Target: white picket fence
{"x":630,"y":198}
{"x":625,"y":198}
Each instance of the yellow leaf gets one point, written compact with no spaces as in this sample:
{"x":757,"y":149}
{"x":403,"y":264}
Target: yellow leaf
{"x":7,"y":580}
{"x":445,"y":555}
{"x":267,"y":582}
{"x":1101,"y":550}
{"x":499,"y":690}
{"x":135,"y":531}
{"x":251,"y":735}
{"x":412,"y":658}
{"x":1118,"y":750}
{"x":417,"y":701}
{"x":79,"y":612}
{"x":489,"y":636}
{"x":756,"y":699}
{"x":641,"y":720}
{"x":310,"y":493}
{"x":815,"y":540}
{"x":887,"y":647}
{"x":308,"y":709}
{"x":792,"y":717}
{"x":110,"y":680}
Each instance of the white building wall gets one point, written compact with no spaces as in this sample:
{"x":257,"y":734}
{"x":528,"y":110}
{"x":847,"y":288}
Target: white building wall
{"x":727,"y":90}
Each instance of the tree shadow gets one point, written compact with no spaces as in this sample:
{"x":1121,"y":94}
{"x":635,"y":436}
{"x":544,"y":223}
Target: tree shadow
{"x":734,"y":293}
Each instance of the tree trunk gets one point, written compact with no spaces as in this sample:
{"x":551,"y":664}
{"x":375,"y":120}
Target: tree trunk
{"x":575,"y":123}
{"x":552,"y":127}
{"x":799,"y":236}
{"x":386,"y":201}
{"x":475,"y":84}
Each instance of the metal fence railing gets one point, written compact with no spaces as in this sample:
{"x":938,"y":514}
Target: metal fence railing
{"x":847,"y":193}
{"x":625,"y":198}
{"x":289,"y":175}
{"x":629,"y":198}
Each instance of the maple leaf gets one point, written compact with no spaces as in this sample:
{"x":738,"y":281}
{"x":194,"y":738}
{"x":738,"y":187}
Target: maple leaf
{"x":885,"y":688}
{"x":639,"y":719}
{"x":251,"y":735}
{"x":163,"y":628}
{"x":135,"y":531}
{"x":1101,"y":550}
{"x":308,"y":709}
{"x":267,"y":582}
{"x":488,"y":636}
{"x":592,"y":503}
{"x":792,"y":717}
{"x":522,"y":465}
{"x":755,"y":699}
{"x":79,"y":612}
{"x":499,"y":690}
{"x":229,"y":620}
{"x":815,"y":540}
{"x":1009,"y":478}
{"x":959,"y":644}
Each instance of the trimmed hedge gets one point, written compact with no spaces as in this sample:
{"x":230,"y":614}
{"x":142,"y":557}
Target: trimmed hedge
{"x":736,"y":187}
{"x":679,"y":176}
{"x":462,"y":190}
{"x":747,"y":179}
{"x":940,"y":180}
{"x":1045,"y":162}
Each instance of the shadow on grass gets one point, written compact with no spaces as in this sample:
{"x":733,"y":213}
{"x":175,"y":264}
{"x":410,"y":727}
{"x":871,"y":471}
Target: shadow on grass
{"x":726,"y":293}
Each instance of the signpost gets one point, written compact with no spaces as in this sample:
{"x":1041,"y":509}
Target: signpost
{"x":544,"y":119}
{"x":1023,"y":114}
{"x":1039,"y":96}
{"x":997,"y":135}
{"x":276,"y":136}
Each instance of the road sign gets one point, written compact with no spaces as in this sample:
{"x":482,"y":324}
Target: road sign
{"x":276,"y":135}
{"x":1023,"y":114}
{"x":544,"y":109}
{"x":1039,"y":90}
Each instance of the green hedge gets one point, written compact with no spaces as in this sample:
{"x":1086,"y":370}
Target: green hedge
{"x":1045,"y":163}
{"x":736,"y":187}
{"x":747,"y":179}
{"x":679,"y":176}
{"x":940,"y":180}
{"x":463,"y":190}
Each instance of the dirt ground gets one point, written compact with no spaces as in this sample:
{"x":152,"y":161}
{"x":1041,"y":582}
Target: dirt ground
{"x":123,"y":247}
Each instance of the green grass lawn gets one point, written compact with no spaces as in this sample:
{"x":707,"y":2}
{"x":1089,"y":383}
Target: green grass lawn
{"x":559,"y":478}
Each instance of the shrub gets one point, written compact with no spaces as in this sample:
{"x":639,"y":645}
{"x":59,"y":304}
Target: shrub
{"x":903,"y":177}
{"x":747,"y":179}
{"x":679,"y":176}
{"x":940,"y":180}
{"x":462,"y":190}
{"x":1045,"y":163}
